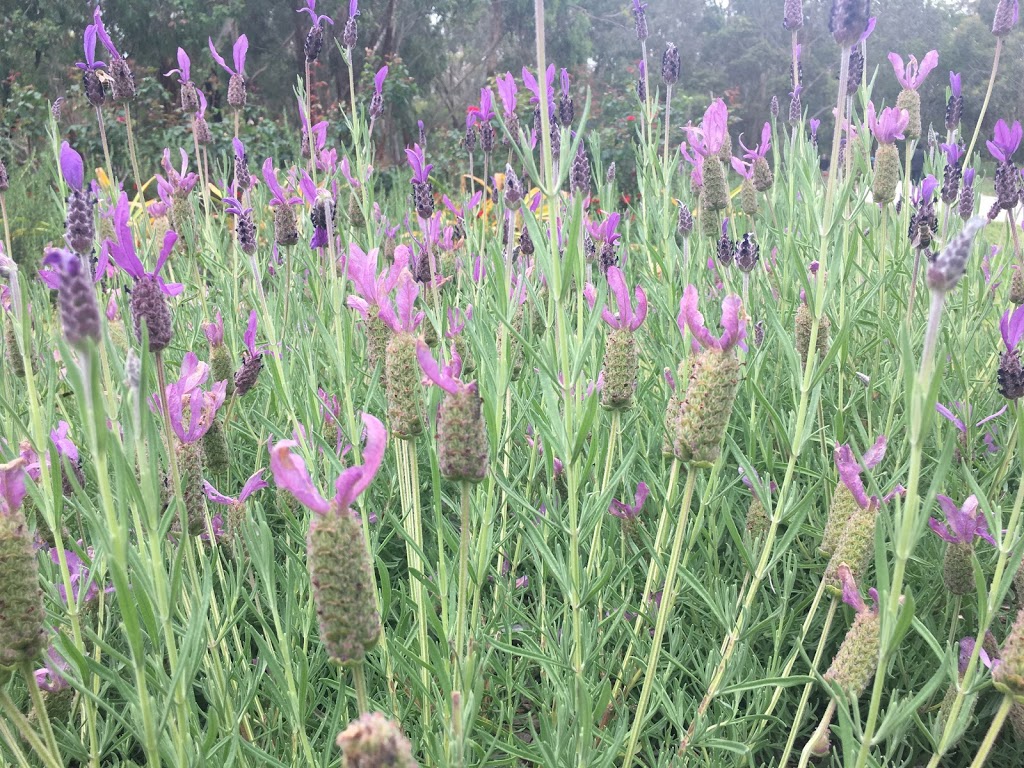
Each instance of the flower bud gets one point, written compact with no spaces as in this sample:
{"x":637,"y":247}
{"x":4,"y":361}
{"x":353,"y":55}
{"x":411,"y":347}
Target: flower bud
{"x":189,"y":98}
{"x":640,"y":21}
{"x":149,"y":306}
{"x":715,"y":194}
{"x":122,"y":81}
{"x":5,"y":181}
{"x":887,"y":174}
{"x":843,"y":507}
{"x":216,"y":453}
{"x":910,"y":100}
{"x":848,"y":20}
{"x":619,"y":369}
{"x":246,"y":376}
{"x":773,"y":107}
{"x":670,"y":65}
{"x":763,"y":178}
{"x":854,"y":547}
{"x":286,"y":232}
{"x":373,"y":741}
{"x":1017,"y":287}
{"x":684,"y":225}
{"x":804,"y":321}
{"x":579,"y":173}
{"x":748,"y":197}
{"x":1005,"y":17}
{"x":404,"y":392}
{"x":792,"y":15}
{"x":1010,"y":375}
{"x":22,"y":630}
{"x":314,"y":42}
{"x":758,"y":521}
{"x":1008,"y":674}
{"x":462,"y":445}
{"x":203,"y":133}
{"x":856,"y":69}
{"x":954,"y":111}
{"x":236,"y":91}
{"x":343,"y":591}
{"x":80,"y":229}
{"x":747,"y":253}
{"x":705,"y":408}
{"x":855,"y":663}
{"x":93,"y":88}
{"x":949,"y":265}
{"x":958,"y":569}
{"x":350,"y":34}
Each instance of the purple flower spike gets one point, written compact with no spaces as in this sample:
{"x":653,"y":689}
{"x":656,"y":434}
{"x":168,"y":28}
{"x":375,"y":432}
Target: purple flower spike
{"x":968,"y":177}
{"x":279,"y":194}
{"x":953,"y":153}
{"x":1006,"y":140}
{"x":418,"y":162}
{"x":71,"y":167}
{"x":954,"y":84}
{"x":12,"y":486}
{"x":710,"y":137}
{"x":239,"y":50}
{"x":605,"y":232}
{"x":868,"y":29}
{"x":185,"y":395}
{"x":913,"y":75}
{"x":625,"y":511}
{"x":732,"y":321}
{"x":1011,"y":326}
{"x":122,"y":250}
{"x":962,"y":523}
{"x":766,"y":143}
{"x":814,"y":123}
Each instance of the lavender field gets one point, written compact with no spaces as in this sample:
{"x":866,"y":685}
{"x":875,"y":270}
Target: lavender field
{"x":514,"y":446}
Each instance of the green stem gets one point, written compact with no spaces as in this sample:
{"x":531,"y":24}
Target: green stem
{"x":664,"y":612}
{"x":40,"y":708}
{"x":359,"y":684}
{"x":131,"y":151}
{"x":984,"y":104}
{"x":465,"y":538}
{"x":26,"y":732}
{"x":993,"y":732}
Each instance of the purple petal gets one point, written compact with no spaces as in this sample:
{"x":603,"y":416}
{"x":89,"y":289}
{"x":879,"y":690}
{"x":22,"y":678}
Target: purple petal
{"x":875,"y":453}
{"x":253,"y":484}
{"x":900,"y":69}
{"x":851,"y":595}
{"x":354,"y":480}
{"x":941,"y":530}
{"x":170,"y":238}
{"x":944,"y":411}
{"x":71,"y":167}
{"x":732,"y":322}
{"x":432,"y":371}
{"x":290,"y":474}
{"x":239,"y":51}
{"x":641,"y":308}
{"x":216,"y":496}
{"x":690,"y":317}
{"x":849,"y":474}
{"x":250,"y":333}
{"x":217,"y":57}
{"x":928,"y":63}
{"x":620,"y":292}
{"x":378,"y":79}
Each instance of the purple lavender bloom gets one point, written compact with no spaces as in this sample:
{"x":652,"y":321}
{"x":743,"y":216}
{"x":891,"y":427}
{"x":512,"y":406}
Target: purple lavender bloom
{"x":418,"y":162}
{"x":405,"y":320}
{"x":215,"y":331}
{"x":743,"y":169}
{"x":962,"y":523}
{"x":91,"y":64}
{"x":850,"y":469}
{"x":1011,"y":327}
{"x":178,"y":182}
{"x":78,"y":570}
{"x":959,"y":423}
{"x":253,"y":484}
{"x":814,"y":123}
{"x":624,"y":511}
{"x":889,"y":125}
{"x":953,"y":153}
{"x":732,"y":321}
{"x":185,"y":393}
{"x":314,"y":19}
{"x":507,"y":93}
{"x":696,"y":160}
{"x":486,"y":113}
{"x":954,"y":84}
{"x":101,"y":32}
{"x":605,"y":232}
{"x":760,"y":150}
{"x":913,"y":75}
{"x":926,"y":191}
{"x":51,"y":677}
{"x":184,"y":70}
{"x":968,"y":178}
{"x":122,"y":250}
{"x":851,"y":594}
{"x":12,"y":486}
{"x":710,"y":137}
{"x":447,"y":377}
{"x":71,"y":167}
{"x":1006,"y":140}
{"x":280,"y":194}
{"x":238,"y":51}
{"x":534,"y":87}
{"x":377,"y":100}
{"x":370,"y":288}
{"x":1006,"y":17}
{"x":625,"y":318}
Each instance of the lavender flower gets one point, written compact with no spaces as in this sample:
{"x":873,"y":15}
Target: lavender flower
{"x":848,"y":20}
{"x":377,"y":100}
{"x":1006,"y":17}
{"x":315,"y":37}
{"x":606,"y":235}
{"x":946,"y":269}
{"x":149,"y":303}
{"x":350,"y":35}
{"x":235,"y":506}
{"x":1002,"y":147}
{"x":912,"y":75}
{"x":122,"y":81}
{"x":955,"y":104}
{"x":79,"y":312}
{"x":966,"y":207}
{"x":80,"y":226}
{"x":1010,"y":375}
{"x":422,"y":190}
{"x":733,"y":322}
{"x":534,"y":87}
{"x":236,"y":83}
{"x":814,"y":124}
{"x":963,"y":523}
{"x":627,"y":512}
{"x":889,"y":125}
{"x":252,"y":359}
{"x":243,"y":179}
{"x":189,"y":94}
{"x":245,"y":226}
{"x":640,"y":20}
{"x":566,"y":110}
{"x":91,"y":83}
{"x":670,"y":65}
{"x":191,"y":409}
{"x":792,"y":15}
